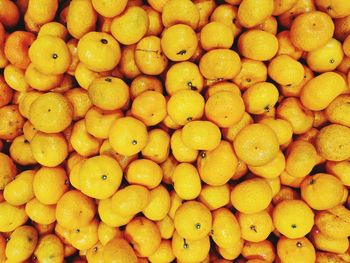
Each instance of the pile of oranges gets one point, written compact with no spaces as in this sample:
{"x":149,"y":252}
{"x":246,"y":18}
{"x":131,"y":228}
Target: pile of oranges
{"x":174,"y":131}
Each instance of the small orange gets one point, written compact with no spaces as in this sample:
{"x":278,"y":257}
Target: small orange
{"x":216,"y":35}
{"x":293,"y":218}
{"x":186,"y":181}
{"x":256,"y":144}
{"x":144,"y":82}
{"x":164,"y":253}
{"x":80,"y":102}
{"x":253,"y":12}
{"x":311,"y":30}
{"x":21,"y":152}
{"x":127,"y":64}
{"x":252,"y":72}
{"x":11,"y":216}
{"x":99,"y":51}
{"x":159,"y":204}
{"x":109,"y":217}
{"x":75,"y":210}
{"x":20,"y":191}
{"x":251,"y":196}
{"x":15,"y":78}
{"x":16,"y":48}
{"x":227,"y":14}
{"x":118,"y":250}
{"x":40,"y":213}
{"x":180,"y":12}
{"x":11,"y":122}
{"x":53,"y":179}
{"x":144,"y":172}
{"x":49,"y":248}
{"x":158,"y":147}
{"x":259,"y":250}
{"x":215,"y":197}
{"x":85,"y":237}
{"x":322,"y":191}
{"x":108,"y":8}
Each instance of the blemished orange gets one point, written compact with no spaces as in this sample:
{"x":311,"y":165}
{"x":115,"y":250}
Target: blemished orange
{"x":251,"y":196}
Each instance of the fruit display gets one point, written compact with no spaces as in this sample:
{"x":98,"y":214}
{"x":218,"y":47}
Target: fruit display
{"x":188,"y":131}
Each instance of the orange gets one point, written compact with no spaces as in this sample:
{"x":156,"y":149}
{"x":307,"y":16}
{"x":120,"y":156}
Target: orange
{"x":40,"y":213}
{"x":144,"y":82}
{"x":205,"y":9}
{"x":260,"y":97}
{"x":332,"y":142}
{"x":337,"y":110}
{"x":283,"y":6}
{"x":53,"y":29}
{"x":50,"y":55}
{"x":336,"y":9}
{"x":181,"y":152}
{"x":130,"y":200}
{"x":49,"y":184}
{"x":224,"y":108}
{"x":255,"y":227}
{"x":118,"y":250}
{"x":314,"y":99}
{"x":15,"y":78}
{"x":75,"y":210}
{"x":325,"y":243}
{"x":330,"y":187}
{"x":21,"y":152}
{"x":259,"y":250}
{"x":49,"y":149}
{"x":149,"y":107}
{"x":292,"y":110}
{"x":106,"y":233}
{"x":285,"y":70}
{"x":293,"y":218}
{"x":149,"y":57}
{"x":272,"y":169}
{"x":22,"y":243}
{"x":84,"y":238}
{"x":232,"y":252}
{"x":166,"y":227}
{"x":334,"y":222}
{"x":9,"y":15}
{"x":217,"y":166}
{"x":286,"y":46}
{"x":54,"y":107}
{"x":164,"y":253}
{"x":183,"y":76}
{"x":144,"y":172}
{"x":300,"y":158}
{"x":41,"y":11}
{"x":81,"y":18}
{"x":144,"y":235}
{"x":99,"y":51}
{"x":251,"y":196}
{"x":103,"y":92}
{"x":227,"y":14}
{"x":40,"y":81}
{"x":11,"y":217}
{"x":109,"y":217}
{"x":127,"y":64}
{"x":80,"y":102}
{"x":6,"y":93}
{"x":258,"y":45}
{"x":16,"y":48}
{"x":49,"y":248}
{"x":20,"y":191}
{"x":339,"y":169}
{"x":220,"y":64}
{"x":216,"y":35}
{"x":98,"y":121}
{"x":180,"y":12}
{"x":82,"y":142}
{"x":186,"y":181}
{"x":11,"y":122}
{"x":108,"y":8}
{"x":294,"y":250}
{"x":193,"y":220}
{"x":256,"y":144}
{"x":28,"y":131}
{"x":252,"y":72}
{"x":252,"y":13}
{"x":159,"y":204}
{"x":155,"y":21}
{"x":100,"y":177}
{"x":190,"y":250}
{"x":311,"y":30}
{"x":201,"y":135}
{"x":222,"y":86}
{"x":179,"y":42}
{"x":215,"y":197}
{"x":327,"y":57}
{"x":158,"y":146}
{"x":225,"y":231}
{"x":231,"y":132}
{"x":128,"y":136}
